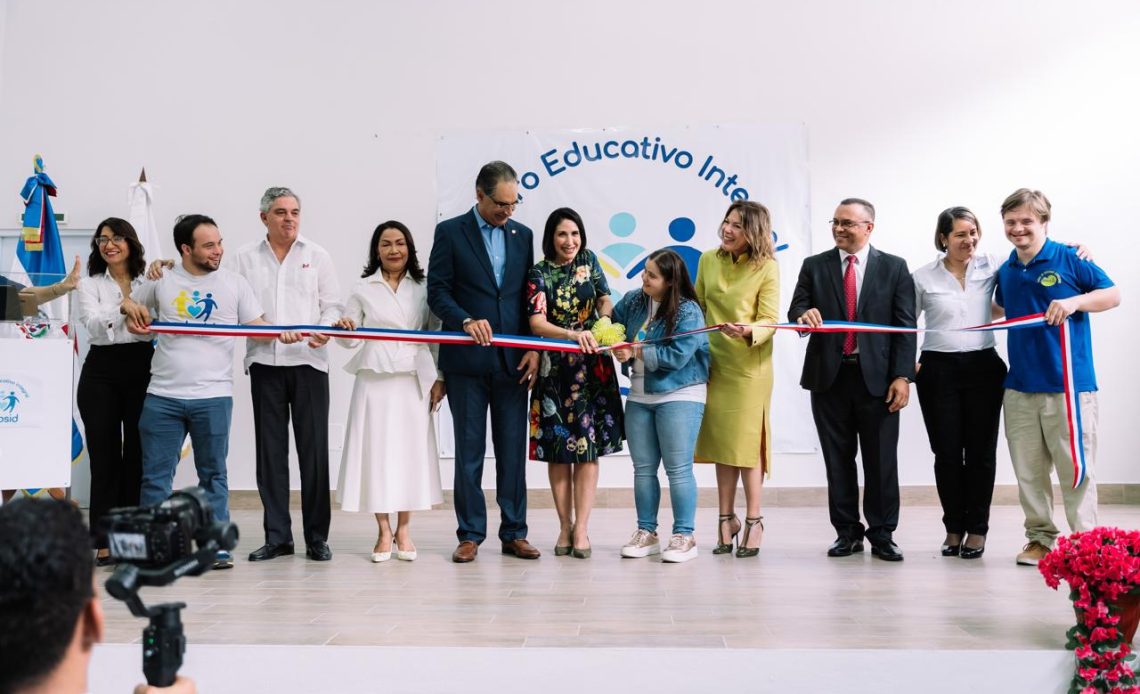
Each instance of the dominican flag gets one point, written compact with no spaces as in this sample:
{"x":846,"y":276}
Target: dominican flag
{"x":39,"y":253}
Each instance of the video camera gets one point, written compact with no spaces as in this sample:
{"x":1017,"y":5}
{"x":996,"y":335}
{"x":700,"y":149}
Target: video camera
{"x":157,"y":545}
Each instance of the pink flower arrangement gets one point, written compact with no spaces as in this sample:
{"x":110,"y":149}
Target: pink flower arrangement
{"x":1101,"y":566}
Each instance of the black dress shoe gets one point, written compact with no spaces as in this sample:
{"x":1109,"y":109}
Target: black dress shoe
{"x":319,"y":551}
{"x":951,"y":550}
{"x":268,"y":551}
{"x":887,"y":551}
{"x":844,"y":547}
{"x":969,"y":552}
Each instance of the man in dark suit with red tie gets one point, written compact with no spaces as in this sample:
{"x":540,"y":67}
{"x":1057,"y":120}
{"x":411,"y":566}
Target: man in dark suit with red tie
{"x":477,"y":283}
{"x":858,"y":381}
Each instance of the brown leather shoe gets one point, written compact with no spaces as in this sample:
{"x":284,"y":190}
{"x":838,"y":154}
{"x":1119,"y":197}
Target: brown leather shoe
{"x":521,"y":549}
{"x":465,"y":552}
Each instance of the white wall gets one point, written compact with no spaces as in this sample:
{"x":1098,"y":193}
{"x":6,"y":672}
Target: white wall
{"x":915,"y":106}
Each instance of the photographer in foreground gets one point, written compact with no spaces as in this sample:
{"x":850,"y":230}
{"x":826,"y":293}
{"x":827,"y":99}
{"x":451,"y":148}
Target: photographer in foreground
{"x":50,"y":615}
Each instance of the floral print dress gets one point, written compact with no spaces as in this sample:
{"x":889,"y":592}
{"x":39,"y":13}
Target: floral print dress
{"x":575,"y":406}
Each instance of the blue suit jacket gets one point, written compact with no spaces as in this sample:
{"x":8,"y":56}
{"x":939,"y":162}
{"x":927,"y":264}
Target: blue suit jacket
{"x":461,"y":284}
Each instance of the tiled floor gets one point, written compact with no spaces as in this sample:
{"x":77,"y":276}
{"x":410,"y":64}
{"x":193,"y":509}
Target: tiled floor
{"x":791,"y":597}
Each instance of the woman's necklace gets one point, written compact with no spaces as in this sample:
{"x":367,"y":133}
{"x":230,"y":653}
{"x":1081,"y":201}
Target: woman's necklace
{"x":960,"y":276}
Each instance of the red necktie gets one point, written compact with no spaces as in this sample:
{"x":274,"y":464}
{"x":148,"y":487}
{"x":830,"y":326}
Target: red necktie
{"x":849,"y":295}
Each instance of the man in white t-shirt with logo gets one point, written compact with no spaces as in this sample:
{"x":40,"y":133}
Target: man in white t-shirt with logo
{"x":191,"y":384}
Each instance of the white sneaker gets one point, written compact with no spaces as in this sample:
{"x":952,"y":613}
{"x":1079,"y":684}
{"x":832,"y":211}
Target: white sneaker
{"x":681,"y":548}
{"x":642,"y":544}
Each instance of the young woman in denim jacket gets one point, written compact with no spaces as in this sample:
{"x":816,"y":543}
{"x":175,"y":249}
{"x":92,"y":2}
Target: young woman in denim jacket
{"x":666,"y":400}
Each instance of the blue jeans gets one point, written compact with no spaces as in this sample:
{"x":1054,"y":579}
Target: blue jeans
{"x":664,"y":433}
{"x":162,"y":429}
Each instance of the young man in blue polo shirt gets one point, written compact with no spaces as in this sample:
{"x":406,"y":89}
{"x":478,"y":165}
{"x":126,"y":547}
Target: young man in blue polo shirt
{"x":1042,"y":276}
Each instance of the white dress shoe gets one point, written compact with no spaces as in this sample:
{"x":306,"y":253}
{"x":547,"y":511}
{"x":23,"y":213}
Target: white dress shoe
{"x":378,"y":557}
{"x":406,"y":555}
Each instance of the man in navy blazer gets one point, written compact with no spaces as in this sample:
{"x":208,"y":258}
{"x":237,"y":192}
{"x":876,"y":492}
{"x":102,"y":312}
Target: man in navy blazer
{"x":477,"y":284}
{"x":858,"y":381}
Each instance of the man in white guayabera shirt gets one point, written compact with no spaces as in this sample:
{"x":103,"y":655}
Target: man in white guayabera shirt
{"x":191,"y":384}
{"x":295,"y":281}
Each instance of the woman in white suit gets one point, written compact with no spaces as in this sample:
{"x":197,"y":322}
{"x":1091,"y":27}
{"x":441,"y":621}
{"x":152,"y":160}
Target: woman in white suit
{"x":390,"y":463}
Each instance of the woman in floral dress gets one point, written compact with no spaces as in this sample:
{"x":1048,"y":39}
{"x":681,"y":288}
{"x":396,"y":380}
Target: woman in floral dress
{"x":575,"y":407}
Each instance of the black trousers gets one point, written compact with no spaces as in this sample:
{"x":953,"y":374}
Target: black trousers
{"x":112,"y":388}
{"x":960,"y":394}
{"x":302,"y":391}
{"x":848,"y":418}
{"x":470,"y":397}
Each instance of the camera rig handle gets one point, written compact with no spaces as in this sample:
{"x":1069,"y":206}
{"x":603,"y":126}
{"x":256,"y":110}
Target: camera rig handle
{"x":164,"y":642}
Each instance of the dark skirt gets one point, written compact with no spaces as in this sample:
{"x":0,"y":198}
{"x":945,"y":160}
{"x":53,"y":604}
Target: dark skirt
{"x":575,"y":409}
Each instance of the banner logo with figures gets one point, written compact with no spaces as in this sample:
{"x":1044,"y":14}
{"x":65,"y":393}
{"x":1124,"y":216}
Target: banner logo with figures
{"x":11,"y":395}
{"x":639,"y":190}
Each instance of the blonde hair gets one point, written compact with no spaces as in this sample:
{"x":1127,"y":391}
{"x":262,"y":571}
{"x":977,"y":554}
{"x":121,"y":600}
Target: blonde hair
{"x":1035,"y":199}
{"x":757,"y":223}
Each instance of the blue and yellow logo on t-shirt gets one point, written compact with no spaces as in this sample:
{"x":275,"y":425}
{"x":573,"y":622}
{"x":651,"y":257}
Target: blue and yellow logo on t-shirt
{"x":194,"y":306}
{"x":1048,"y":278}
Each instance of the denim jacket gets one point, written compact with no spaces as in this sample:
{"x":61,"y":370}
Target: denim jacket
{"x":671,"y":364}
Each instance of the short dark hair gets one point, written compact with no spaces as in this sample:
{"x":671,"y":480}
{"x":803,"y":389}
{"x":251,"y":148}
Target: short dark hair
{"x":136,"y":262}
{"x":45,"y":584}
{"x":492,"y":174}
{"x":860,"y":201}
{"x":413,"y":268}
{"x":184,"y":228}
{"x":556,"y":217}
{"x":945,"y":224}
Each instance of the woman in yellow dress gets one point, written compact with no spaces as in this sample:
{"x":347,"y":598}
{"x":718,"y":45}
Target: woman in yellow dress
{"x":739,"y":284}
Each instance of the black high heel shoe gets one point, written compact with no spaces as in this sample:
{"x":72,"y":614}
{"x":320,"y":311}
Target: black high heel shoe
{"x":722,"y":548}
{"x":949,"y":550}
{"x":749,"y":523}
{"x":973,"y":552}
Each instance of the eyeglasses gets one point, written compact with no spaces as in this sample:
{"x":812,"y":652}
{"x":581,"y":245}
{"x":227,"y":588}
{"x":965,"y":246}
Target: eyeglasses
{"x":845,"y":224}
{"x":506,"y":206}
{"x":104,"y":240}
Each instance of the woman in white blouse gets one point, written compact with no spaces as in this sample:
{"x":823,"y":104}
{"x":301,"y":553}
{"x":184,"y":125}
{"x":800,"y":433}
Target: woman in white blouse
{"x":116,"y":372}
{"x":960,"y":378}
{"x":389,"y":462}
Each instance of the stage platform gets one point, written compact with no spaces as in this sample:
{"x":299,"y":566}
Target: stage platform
{"x":790,"y":620}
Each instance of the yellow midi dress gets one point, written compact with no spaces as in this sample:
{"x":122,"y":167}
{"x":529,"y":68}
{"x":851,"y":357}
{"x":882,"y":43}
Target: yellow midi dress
{"x":736,"y":422}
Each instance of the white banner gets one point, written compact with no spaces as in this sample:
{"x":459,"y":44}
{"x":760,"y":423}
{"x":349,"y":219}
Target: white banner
{"x":638,"y":190}
{"x":35,"y":412}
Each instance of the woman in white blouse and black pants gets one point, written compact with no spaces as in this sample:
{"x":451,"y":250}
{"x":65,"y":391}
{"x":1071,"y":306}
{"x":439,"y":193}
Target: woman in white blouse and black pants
{"x":116,"y":372}
{"x":960,"y":379}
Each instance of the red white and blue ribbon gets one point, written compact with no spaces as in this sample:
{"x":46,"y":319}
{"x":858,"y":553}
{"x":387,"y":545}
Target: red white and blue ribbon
{"x":379,"y":334}
{"x":1072,"y":403}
